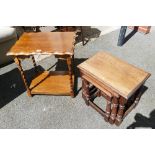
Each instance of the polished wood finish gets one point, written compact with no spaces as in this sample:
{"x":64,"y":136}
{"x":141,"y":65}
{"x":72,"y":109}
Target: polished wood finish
{"x":116,"y":74}
{"x":59,"y":44}
{"x":115,"y":80}
{"x":53,"y":83}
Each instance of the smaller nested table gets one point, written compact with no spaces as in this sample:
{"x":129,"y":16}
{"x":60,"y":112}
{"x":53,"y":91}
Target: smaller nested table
{"x":117,"y":81}
{"x":59,"y":44}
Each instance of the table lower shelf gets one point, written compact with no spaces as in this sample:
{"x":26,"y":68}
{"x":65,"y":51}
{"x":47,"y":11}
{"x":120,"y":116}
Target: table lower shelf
{"x":51,"y":83}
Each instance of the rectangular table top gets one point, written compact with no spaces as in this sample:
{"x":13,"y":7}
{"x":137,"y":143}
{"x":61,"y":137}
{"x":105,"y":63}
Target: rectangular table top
{"x":59,"y":43}
{"x":118,"y":75}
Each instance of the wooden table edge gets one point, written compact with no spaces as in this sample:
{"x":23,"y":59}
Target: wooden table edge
{"x":114,"y":89}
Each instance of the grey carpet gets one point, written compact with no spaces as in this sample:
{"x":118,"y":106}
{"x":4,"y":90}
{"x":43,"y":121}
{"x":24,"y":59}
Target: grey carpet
{"x":17,"y":110}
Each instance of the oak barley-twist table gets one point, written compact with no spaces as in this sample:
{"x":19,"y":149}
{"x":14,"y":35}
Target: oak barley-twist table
{"x":117,"y":81}
{"x":59,"y":44}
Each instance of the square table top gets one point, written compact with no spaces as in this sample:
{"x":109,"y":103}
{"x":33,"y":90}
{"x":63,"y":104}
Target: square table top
{"x":121,"y":77}
{"x":59,"y":43}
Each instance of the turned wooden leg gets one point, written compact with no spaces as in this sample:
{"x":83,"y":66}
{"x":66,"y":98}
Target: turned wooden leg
{"x":69,"y":63}
{"x":121,"y":109}
{"x":85,"y":91}
{"x":18,"y":62}
{"x":108,"y":110}
{"x":73,"y":65}
{"x":114,"y":110}
{"x":34,"y":63}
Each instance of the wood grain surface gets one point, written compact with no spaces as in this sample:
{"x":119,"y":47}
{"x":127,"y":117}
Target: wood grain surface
{"x":44,"y":43}
{"x":54,"y":83}
{"x":115,"y":73}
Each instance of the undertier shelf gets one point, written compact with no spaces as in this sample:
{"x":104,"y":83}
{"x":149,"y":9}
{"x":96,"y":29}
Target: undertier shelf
{"x":52,"y":83}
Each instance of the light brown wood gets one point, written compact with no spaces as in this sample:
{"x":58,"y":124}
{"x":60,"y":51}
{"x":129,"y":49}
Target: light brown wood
{"x":113,"y":114}
{"x":18,"y":62}
{"x":107,"y":76}
{"x":99,"y":85}
{"x":121,"y":110}
{"x":69,"y":63}
{"x":118,"y":75}
{"x":54,"y":83}
{"x":59,"y":43}
{"x":108,"y":108}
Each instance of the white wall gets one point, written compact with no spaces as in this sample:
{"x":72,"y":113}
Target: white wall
{"x":106,"y":29}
